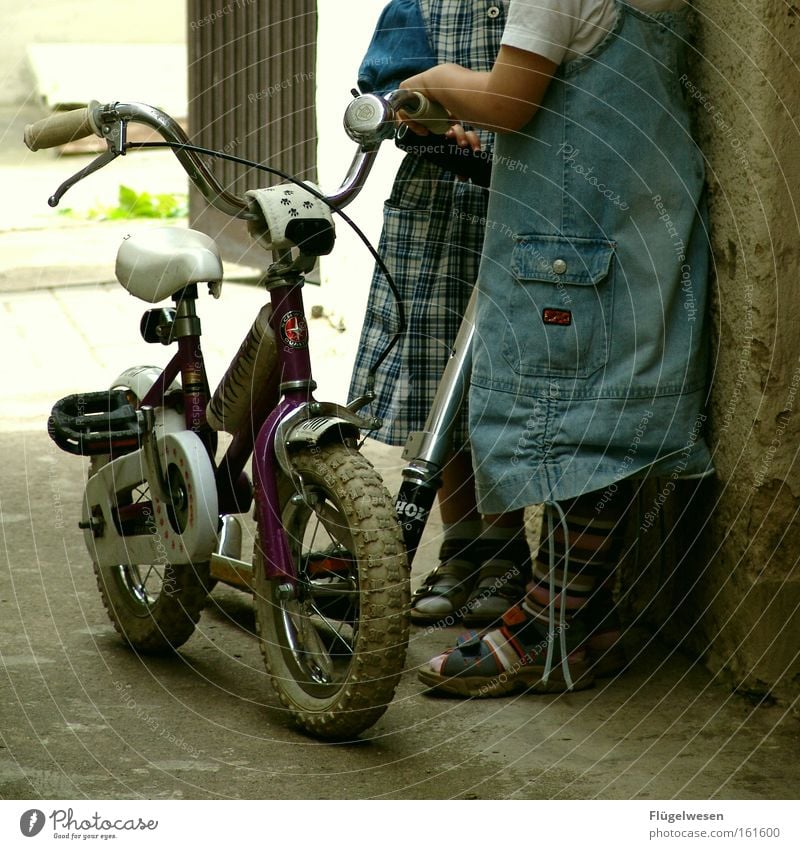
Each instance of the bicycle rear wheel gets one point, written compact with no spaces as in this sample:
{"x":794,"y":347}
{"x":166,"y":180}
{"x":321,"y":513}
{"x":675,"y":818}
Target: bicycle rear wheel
{"x":154,"y":607}
{"x":334,"y":644}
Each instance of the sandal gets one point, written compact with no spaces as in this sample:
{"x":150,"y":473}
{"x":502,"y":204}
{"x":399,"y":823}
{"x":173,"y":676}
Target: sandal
{"x":501,"y":583}
{"x":444,"y":593}
{"x":506,"y":660}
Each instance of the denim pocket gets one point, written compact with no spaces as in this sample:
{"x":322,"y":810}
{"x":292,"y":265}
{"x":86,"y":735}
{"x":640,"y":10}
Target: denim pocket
{"x":559,"y":306}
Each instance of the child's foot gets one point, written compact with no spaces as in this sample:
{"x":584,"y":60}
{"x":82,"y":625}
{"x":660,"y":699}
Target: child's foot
{"x":606,"y":655}
{"x":504,"y":574}
{"x":443,"y":595}
{"x":507,"y":660}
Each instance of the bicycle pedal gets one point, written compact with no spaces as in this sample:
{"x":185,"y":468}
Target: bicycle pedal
{"x":92,"y":423}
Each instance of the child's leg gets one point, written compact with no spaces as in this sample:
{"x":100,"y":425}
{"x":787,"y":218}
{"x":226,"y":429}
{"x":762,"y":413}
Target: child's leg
{"x":484,"y":566}
{"x":505,"y":569}
{"x":457,"y":492}
{"x":512,"y":657}
{"x":595,"y":544}
{"x":445,"y":591}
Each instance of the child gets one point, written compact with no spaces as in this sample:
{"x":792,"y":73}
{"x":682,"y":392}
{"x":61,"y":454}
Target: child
{"x":590,"y":362}
{"x":431,"y":243}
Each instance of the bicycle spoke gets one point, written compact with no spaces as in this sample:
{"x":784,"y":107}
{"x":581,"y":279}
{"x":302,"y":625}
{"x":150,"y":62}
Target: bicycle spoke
{"x":310,"y":648}
{"x":147,"y":575}
{"x":327,"y":516}
{"x":332,"y":628}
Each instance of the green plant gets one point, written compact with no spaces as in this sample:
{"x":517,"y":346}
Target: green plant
{"x":133,"y":204}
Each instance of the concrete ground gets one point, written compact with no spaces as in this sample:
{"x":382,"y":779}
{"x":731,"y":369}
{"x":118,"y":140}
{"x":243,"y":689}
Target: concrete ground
{"x":82,"y":717}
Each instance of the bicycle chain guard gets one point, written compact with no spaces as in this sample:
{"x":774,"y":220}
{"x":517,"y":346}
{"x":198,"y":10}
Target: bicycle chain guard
{"x":179,"y":529}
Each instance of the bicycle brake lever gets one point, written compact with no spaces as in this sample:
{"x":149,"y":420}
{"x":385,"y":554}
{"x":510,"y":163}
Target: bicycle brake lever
{"x":115,"y":134}
{"x":94,"y":165}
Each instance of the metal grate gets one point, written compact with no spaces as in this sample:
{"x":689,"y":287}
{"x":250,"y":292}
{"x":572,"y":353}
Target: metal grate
{"x":251,"y":93}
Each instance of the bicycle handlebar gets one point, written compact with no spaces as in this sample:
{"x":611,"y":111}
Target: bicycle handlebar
{"x":369,"y":120}
{"x":430,"y":114}
{"x":61,"y":128}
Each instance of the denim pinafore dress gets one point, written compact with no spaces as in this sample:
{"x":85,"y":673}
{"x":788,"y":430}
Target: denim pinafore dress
{"x":590,"y":361}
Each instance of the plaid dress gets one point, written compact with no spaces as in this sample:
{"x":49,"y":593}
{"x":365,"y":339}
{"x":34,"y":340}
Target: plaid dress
{"x":431,"y":242}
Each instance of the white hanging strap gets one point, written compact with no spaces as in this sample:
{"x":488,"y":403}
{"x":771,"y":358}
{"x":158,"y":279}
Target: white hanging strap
{"x":551,"y":613}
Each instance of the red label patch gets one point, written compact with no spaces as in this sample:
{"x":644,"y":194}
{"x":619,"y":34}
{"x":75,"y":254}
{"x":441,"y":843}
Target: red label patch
{"x":560,"y":317}
{"x":294,"y":330}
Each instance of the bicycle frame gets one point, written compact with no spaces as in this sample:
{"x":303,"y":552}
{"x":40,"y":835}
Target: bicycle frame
{"x":270,"y":424}
{"x":427,"y":450}
{"x":369,"y":120}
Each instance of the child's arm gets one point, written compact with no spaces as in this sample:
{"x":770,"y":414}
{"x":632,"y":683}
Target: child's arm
{"x":503,"y":99}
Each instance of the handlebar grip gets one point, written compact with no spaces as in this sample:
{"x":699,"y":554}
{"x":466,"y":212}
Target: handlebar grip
{"x":446,"y":153}
{"x":432,"y":115}
{"x":59,"y":129}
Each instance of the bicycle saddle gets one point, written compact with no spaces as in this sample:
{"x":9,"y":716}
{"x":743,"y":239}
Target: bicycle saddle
{"x":155,"y":264}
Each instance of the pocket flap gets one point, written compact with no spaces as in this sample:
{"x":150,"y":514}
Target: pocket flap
{"x":561,"y":259}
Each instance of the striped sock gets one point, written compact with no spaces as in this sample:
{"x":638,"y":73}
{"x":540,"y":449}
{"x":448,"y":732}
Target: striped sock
{"x":594,"y":545}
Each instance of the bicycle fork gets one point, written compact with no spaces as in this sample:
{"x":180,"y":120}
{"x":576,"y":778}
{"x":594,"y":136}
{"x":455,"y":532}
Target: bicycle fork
{"x":428,"y":450}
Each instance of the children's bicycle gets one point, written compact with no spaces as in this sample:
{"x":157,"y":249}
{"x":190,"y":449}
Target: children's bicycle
{"x":330,"y":575}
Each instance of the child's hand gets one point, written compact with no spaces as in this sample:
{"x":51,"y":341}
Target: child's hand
{"x":419,"y":129}
{"x":417,"y":83}
{"x":464,"y":138}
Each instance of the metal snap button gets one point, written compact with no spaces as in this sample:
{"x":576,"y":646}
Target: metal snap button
{"x":559,"y":266}
{"x":493,"y":11}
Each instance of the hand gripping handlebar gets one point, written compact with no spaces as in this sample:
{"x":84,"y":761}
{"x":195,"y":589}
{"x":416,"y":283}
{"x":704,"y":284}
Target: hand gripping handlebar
{"x":430,"y":114}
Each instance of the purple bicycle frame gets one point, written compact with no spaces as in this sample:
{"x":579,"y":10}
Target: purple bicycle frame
{"x":294,"y":364}
{"x":294,"y":361}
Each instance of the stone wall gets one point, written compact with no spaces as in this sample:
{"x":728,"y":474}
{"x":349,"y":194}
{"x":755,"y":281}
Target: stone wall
{"x":748,"y":97}
{"x":722,"y":577}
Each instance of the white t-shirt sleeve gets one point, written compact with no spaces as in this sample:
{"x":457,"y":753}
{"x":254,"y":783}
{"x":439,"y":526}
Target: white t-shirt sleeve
{"x":559,"y":30}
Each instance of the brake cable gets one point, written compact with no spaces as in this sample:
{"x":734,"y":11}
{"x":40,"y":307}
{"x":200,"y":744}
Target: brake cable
{"x":335,"y":209}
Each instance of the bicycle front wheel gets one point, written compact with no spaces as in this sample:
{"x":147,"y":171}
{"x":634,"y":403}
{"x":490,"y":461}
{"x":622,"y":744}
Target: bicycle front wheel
{"x":334,"y":644}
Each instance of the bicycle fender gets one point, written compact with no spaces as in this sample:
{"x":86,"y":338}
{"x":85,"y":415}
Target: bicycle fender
{"x":313,"y":425}
{"x":154,"y":531}
{"x":313,"y":432}
{"x":140,"y":380}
